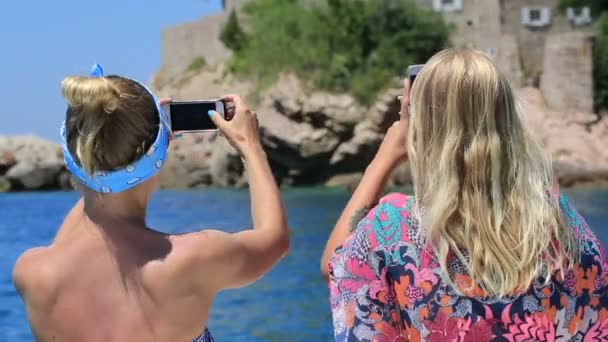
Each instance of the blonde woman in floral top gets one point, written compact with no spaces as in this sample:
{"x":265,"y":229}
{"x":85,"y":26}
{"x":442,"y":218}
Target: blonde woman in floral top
{"x":487,"y":249}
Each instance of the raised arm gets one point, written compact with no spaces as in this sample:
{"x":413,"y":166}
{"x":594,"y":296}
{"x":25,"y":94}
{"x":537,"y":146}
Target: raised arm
{"x":389,"y":155}
{"x":245,"y":256}
{"x":369,"y":190}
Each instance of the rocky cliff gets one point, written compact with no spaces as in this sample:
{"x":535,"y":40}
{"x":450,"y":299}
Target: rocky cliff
{"x":311,"y":138}
{"x":31,"y":163}
{"x":314,"y":137}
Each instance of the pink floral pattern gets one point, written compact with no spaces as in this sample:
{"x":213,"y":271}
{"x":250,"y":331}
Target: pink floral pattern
{"x":386,"y":286}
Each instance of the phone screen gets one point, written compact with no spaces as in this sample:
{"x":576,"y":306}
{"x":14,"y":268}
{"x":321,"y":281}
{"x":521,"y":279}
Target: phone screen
{"x":191,"y":116}
{"x":413,"y":71}
{"x":412,"y":79}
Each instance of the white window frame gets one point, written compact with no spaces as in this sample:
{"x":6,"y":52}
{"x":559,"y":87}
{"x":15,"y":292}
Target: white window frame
{"x":579,"y":19}
{"x":439,"y":6}
{"x":543,"y":21}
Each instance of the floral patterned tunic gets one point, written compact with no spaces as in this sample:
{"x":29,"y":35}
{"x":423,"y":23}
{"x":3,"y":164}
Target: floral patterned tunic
{"x":386,"y":286}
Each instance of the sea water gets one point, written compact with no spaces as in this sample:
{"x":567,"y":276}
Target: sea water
{"x":288,"y":304}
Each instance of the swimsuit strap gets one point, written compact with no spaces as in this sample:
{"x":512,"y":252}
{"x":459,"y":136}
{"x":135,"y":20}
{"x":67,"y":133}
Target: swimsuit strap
{"x":205,"y":337}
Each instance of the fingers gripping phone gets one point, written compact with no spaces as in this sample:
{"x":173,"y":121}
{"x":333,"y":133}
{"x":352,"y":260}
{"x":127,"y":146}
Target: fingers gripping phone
{"x":412,"y":72}
{"x":192,"y":116}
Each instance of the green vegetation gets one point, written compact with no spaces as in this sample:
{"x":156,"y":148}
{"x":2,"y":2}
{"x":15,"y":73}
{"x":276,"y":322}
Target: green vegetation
{"x":600,"y":63}
{"x":232,"y":34}
{"x":354,"y":46}
{"x":197,"y":64}
{"x":597,"y":6}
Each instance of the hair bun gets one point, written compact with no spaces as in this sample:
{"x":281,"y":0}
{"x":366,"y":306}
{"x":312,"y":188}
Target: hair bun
{"x":91,"y":95}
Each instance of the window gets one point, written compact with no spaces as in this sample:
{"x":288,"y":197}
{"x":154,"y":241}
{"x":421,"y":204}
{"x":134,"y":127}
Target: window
{"x":579,"y":16}
{"x":447,"y":5}
{"x":536,"y":16}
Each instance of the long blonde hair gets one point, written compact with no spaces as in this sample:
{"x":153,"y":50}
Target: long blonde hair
{"x":111,"y":121}
{"x":482,"y":178}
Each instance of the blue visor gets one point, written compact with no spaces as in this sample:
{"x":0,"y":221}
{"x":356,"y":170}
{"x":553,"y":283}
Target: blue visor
{"x":135,"y":173}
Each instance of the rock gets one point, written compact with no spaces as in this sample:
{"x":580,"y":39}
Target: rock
{"x":576,"y":141}
{"x":226,"y":166}
{"x":337,"y":112}
{"x":314,"y":137}
{"x":357,"y":152}
{"x":402,"y":175}
{"x":32,"y":176}
{"x":7,"y":160}
{"x":187,"y":163}
{"x":30,"y":163}
{"x":385,"y":110}
{"x":65,"y":181}
{"x":295,"y":145}
{"x":348,"y":181}
{"x":5,"y":185}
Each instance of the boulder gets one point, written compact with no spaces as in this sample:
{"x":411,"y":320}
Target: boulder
{"x":226,"y":166}
{"x":187,"y":164}
{"x":358,"y":151}
{"x":336,"y":112}
{"x":65,"y":180}
{"x":576,"y":140}
{"x":7,"y":160}
{"x":402,"y":175}
{"x":30,"y":163}
{"x":295,"y":145}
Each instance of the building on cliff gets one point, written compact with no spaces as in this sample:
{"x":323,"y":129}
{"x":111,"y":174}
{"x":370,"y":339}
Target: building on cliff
{"x":532,"y":41}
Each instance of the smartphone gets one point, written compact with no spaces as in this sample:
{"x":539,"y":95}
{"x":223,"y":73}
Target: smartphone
{"x":412,"y":72}
{"x":192,"y":116}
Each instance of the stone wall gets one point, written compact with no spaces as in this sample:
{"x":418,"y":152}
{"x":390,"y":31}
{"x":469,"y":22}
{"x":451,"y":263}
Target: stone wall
{"x":567,"y":80}
{"x":509,"y":60}
{"x":234,"y":4}
{"x":532,"y":40}
{"x":183,"y":43}
{"x":477,"y":24}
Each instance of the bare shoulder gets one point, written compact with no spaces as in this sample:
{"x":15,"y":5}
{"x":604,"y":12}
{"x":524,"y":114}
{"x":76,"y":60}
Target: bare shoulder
{"x":203,"y":252}
{"x":29,"y":268}
{"x":205,"y":244}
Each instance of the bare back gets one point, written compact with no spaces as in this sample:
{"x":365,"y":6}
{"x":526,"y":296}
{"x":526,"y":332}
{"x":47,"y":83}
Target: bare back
{"x":110,"y":279}
{"x":129,"y":285}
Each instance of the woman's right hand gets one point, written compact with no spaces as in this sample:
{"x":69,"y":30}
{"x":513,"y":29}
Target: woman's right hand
{"x":241,"y":126}
{"x":244,"y":257}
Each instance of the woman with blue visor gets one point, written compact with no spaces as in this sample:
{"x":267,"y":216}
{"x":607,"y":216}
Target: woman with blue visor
{"x":107,"y":276}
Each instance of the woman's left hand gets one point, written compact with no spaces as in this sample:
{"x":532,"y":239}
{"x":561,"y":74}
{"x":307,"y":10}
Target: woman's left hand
{"x":393,"y":149}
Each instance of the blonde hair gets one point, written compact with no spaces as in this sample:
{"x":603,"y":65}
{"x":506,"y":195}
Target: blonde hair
{"x":481,"y":177}
{"x":110,"y":122}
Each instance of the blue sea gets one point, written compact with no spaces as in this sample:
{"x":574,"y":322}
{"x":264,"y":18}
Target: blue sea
{"x":288,"y":304}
